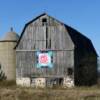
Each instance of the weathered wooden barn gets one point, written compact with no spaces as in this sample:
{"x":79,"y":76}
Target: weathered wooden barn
{"x":70,"y":54}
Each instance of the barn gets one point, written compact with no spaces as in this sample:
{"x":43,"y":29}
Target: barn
{"x":50,"y":53}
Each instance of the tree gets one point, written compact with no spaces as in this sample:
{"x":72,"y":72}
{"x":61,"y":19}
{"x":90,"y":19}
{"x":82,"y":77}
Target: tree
{"x":2,"y":74}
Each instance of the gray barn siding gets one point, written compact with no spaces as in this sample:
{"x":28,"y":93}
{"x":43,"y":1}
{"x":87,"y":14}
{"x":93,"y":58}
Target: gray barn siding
{"x":34,"y":39}
{"x":26,"y":64}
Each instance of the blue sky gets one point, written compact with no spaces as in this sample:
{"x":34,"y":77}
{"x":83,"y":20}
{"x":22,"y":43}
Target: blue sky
{"x":83,"y":15}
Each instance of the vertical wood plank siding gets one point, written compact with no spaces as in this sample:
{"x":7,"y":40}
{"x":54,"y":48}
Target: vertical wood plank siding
{"x":26,"y":64}
{"x":34,"y":39}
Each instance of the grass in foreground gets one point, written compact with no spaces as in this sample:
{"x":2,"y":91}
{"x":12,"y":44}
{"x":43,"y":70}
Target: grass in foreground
{"x":9,"y":91}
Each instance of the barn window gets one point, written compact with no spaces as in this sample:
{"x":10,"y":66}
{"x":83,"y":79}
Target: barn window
{"x":44,"y":21}
{"x":70,"y":71}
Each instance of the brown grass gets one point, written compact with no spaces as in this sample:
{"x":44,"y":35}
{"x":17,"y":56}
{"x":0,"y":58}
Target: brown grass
{"x":9,"y":91}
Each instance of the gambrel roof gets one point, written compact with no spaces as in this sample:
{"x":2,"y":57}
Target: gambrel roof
{"x":79,"y":40}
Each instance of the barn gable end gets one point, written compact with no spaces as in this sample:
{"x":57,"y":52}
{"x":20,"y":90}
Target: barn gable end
{"x":33,"y":36}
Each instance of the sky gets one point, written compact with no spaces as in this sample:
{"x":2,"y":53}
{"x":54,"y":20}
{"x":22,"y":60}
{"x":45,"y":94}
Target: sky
{"x":83,"y":15}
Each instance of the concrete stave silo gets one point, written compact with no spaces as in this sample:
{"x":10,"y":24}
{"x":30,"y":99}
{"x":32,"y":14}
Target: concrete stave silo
{"x":8,"y":55}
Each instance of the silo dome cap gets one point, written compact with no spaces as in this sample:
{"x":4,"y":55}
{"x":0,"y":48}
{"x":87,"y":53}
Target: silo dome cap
{"x":11,"y":36}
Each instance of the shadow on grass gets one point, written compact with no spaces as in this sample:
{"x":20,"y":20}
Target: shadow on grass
{"x":7,"y":84}
{"x":91,"y":97}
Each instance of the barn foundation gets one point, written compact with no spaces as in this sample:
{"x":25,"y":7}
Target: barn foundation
{"x":45,"y":82}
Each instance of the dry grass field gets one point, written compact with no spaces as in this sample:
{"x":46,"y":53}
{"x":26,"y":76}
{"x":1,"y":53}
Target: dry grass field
{"x":9,"y":91}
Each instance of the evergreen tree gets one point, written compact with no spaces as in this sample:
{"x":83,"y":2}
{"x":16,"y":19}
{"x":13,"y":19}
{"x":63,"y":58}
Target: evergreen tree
{"x":2,"y":74}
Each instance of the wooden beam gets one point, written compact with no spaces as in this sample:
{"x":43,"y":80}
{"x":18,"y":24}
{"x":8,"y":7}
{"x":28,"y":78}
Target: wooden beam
{"x":46,"y":50}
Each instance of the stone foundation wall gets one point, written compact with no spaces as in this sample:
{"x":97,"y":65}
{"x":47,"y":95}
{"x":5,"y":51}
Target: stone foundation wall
{"x":38,"y":82}
{"x":68,"y":82}
{"x":45,"y":82}
{"x":23,"y":82}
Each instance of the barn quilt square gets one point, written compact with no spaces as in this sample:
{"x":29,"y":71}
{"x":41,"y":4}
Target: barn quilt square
{"x":44,"y":59}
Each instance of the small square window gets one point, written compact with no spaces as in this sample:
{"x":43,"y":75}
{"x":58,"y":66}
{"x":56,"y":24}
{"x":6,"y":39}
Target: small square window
{"x":44,"y":21}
